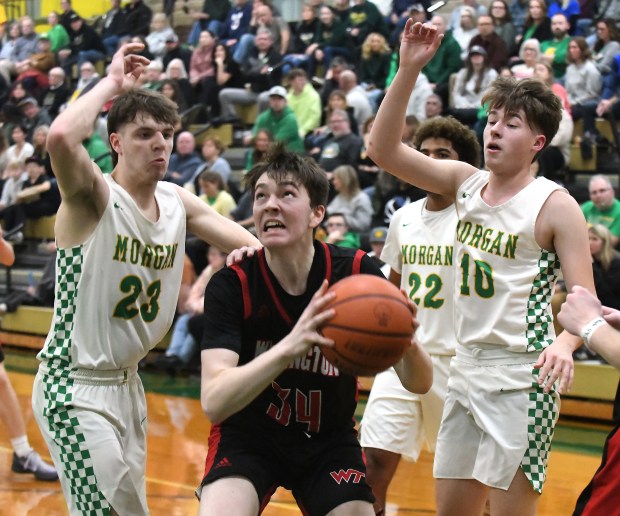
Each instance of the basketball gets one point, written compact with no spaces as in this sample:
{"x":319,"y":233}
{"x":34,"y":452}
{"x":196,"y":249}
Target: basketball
{"x":372,"y":326}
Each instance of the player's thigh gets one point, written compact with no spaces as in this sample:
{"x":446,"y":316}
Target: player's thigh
{"x":519,"y":500}
{"x":460,"y":497}
{"x":380,"y":465}
{"x":355,"y":508}
{"x":229,"y":495}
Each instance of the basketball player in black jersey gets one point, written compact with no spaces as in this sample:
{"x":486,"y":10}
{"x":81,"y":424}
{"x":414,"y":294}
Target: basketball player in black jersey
{"x":282,"y":415}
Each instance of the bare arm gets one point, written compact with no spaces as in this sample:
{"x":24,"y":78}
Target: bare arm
{"x":83,"y":190}
{"x":581,"y":307}
{"x":213,"y":228}
{"x":415,"y":369}
{"x":226,"y":389}
{"x":419,"y":44}
{"x":561,"y":226}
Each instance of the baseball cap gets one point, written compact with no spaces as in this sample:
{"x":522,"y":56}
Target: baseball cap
{"x":172,"y":38}
{"x":280,"y":91}
{"x":34,"y":159}
{"x":74,"y":17}
{"x":44,"y":35}
{"x":477,"y":49}
{"x":378,"y":234}
{"x":417,"y":7}
{"x":28,"y":100}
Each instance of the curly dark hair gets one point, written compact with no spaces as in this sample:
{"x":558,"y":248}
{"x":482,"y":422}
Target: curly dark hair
{"x":463,"y":139}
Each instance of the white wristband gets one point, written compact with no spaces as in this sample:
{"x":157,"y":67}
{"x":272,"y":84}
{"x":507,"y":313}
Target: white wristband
{"x":589,"y":329}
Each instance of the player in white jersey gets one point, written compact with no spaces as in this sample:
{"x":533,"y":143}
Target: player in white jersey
{"x":419,"y":251}
{"x":513,"y":232}
{"x":120,"y":248}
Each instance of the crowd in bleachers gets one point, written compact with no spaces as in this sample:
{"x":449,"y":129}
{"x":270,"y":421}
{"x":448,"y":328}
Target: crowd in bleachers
{"x":315,"y":83}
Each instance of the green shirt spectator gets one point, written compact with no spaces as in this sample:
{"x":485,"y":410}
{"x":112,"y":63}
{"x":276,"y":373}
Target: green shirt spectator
{"x":603,"y":208}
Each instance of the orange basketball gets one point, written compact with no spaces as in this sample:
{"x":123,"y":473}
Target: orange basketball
{"x":372,"y":326}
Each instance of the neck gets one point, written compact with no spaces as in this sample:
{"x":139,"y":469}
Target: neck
{"x":502,"y":188}
{"x":291,"y":266}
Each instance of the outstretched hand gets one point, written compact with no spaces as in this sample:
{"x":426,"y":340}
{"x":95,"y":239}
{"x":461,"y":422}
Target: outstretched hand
{"x":126,"y":66}
{"x":419,"y":43}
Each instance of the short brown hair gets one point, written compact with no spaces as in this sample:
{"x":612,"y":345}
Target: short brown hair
{"x":138,"y":101}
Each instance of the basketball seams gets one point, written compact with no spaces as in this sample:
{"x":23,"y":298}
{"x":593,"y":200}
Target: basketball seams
{"x":353,"y":329}
{"x":336,"y":302}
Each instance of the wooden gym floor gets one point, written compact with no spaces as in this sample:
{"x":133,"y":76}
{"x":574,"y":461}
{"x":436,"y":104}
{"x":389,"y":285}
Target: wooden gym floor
{"x":177,"y":437}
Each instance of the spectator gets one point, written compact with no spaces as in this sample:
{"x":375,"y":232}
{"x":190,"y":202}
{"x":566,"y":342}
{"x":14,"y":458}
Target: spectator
{"x":157,"y":37}
{"x":331,"y":81}
{"x":212,"y":18}
{"x":57,"y":34}
{"x":66,"y":13}
{"x":184,"y":161}
{"x":491,"y":41}
{"x":260,"y":73}
{"x":11,"y":111}
{"x":569,"y":8}
{"x":177,"y":71}
{"x":364,"y":18}
{"x":279,"y":119}
{"x":136,"y":19}
{"x":13,"y":176}
{"x":529,"y":54}
{"x":174,"y":50}
{"x":304,"y":100}
{"x":214,"y":193}
{"x":553,"y":159}
{"x":537,"y":23}
{"x":356,"y":96}
{"x":263,"y":18}
{"x":607,"y":45}
{"x":227,"y":75}
{"x":237,"y":23}
{"x":88,"y":78}
{"x":202,"y":68}
{"x":343,"y":147}
{"x":376,"y":239}
{"x":374,"y":67}
{"x":303,"y":39}
{"x":85,"y":46}
{"x":36,"y":198}
{"x":419,"y":95}
{"x":152,"y":75}
{"x":112,"y":29}
{"x":584,"y":85}
{"x":212,"y":150}
{"x":25,"y":45}
{"x":39,"y":142}
{"x":9,"y":38}
{"x":433,"y":107}
{"x":554,"y":50}
{"x":337,"y":100}
{"x":57,"y":92}
{"x":21,"y":148}
{"x":331,"y":41}
{"x":367,"y":169}
{"x":609,"y":105}
{"x":469,"y":87}
{"x":34,"y":72}
{"x":603,"y":208}
{"x":544,"y":72}
{"x":350,"y":200}
{"x":466,"y":29}
{"x":260,"y":144}
{"x":606,"y":265}
{"x":445,"y":62}
{"x":415,"y":11}
{"x":33,"y":116}
{"x":99,"y":152}
{"x":502,"y":25}
{"x":455,"y":17}
{"x":338,"y":232}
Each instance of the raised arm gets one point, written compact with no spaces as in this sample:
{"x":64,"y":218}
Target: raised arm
{"x":204,"y":222}
{"x":418,"y":46}
{"x":82,"y":188}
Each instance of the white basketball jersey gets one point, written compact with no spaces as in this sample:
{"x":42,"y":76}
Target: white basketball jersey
{"x":504,"y":279}
{"x":419,"y":246}
{"x":116,"y":294}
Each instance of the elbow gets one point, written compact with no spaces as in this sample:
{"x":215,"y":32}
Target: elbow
{"x":213,"y":413}
{"x":372,"y":151}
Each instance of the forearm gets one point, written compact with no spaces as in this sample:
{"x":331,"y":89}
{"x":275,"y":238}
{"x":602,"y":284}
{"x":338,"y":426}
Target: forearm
{"x":415,"y":370}
{"x":232,"y":389}
{"x":606,"y":342}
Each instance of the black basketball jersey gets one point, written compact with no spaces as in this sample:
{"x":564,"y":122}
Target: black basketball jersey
{"x":248,"y":312}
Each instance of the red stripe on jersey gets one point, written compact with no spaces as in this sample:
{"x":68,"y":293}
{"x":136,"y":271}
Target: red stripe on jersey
{"x":245,"y":290}
{"x":328,"y":263}
{"x":272,"y":290}
{"x":357,"y":262}
{"x":214,"y":442}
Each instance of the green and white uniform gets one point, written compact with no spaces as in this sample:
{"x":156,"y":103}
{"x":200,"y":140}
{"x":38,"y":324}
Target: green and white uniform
{"x":419,"y":246}
{"x":116,"y":297}
{"x":496,"y":417}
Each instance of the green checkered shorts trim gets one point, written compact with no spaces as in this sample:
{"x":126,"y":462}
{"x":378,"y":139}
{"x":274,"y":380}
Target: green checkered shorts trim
{"x":63,"y":423}
{"x":539,"y":320}
{"x":542,"y":416}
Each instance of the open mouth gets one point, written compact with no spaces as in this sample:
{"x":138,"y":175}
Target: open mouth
{"x":273,"y":224}
{"x":493,"y":147}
